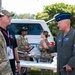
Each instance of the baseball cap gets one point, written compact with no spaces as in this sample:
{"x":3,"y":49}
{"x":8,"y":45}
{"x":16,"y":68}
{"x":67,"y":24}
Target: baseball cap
{"x":23,"y":29}
{"x":5,"y":12}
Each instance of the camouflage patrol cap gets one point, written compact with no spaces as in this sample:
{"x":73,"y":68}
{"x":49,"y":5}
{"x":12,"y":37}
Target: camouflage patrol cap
{"x":5,"y":12}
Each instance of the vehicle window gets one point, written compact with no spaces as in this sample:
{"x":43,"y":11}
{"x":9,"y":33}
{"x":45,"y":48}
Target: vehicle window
{"x":33,"y":28}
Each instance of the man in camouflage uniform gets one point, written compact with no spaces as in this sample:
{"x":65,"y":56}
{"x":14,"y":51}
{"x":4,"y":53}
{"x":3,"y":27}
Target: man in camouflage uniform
{"x":8,"y":51}
{"x":5,"y":68}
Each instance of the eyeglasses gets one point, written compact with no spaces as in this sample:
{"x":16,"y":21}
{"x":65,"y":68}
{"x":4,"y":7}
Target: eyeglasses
{"x":1,"y":15}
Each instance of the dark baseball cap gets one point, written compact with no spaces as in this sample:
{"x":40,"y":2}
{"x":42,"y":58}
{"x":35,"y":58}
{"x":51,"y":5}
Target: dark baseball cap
{"x":5,"y":12}
{"x":23,"y":29}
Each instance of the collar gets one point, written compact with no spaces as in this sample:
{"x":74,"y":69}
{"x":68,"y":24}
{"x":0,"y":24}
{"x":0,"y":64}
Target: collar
{"x":70,"y":31}
{"x":22,"y":36}
{"x":3,"y":29}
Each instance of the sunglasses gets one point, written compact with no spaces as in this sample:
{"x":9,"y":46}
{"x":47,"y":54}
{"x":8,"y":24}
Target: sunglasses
{"x":1,"y":15}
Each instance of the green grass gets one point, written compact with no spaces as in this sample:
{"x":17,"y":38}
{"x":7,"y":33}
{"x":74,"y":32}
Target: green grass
{"x":35,"y":71}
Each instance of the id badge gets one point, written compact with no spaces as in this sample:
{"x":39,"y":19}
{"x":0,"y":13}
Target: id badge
{"x":10,"y":52}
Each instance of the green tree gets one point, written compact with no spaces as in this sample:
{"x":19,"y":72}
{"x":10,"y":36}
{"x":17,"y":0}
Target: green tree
{"x":53,"y":9}
{"x":23,"y":16}
{"x":42,"y":16}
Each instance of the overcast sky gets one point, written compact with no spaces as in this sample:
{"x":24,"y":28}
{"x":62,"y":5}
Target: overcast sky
{"x":30,"y":6}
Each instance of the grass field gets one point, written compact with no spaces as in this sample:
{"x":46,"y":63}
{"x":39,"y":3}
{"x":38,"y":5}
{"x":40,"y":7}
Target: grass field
{"x":35,"y":71}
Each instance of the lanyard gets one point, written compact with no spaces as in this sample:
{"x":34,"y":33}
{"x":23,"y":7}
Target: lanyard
{"x":7,"y":34}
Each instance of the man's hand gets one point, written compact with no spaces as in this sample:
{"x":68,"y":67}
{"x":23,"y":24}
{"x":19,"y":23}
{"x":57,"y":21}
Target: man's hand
{"x":68,"y":68}
{"x":18,"y":67}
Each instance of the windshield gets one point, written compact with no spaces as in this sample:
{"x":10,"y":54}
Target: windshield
{"x":33,"y":28}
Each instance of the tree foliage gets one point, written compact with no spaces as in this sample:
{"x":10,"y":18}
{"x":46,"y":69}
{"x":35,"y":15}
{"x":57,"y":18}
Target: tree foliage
{"x":50,"y":10}
{"x":42,"y":16}
{"x":23,"y":16}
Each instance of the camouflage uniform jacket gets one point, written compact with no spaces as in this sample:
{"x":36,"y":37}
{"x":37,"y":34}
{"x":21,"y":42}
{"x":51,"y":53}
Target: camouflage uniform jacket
{"x":22,"y":42}
{"x":44,"y":53}
{"x":5,"y":68}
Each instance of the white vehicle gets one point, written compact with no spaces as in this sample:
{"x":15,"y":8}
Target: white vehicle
{"x":35,"y":27}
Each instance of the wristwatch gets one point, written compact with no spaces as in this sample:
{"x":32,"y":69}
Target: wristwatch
{"x":18,"y":61}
